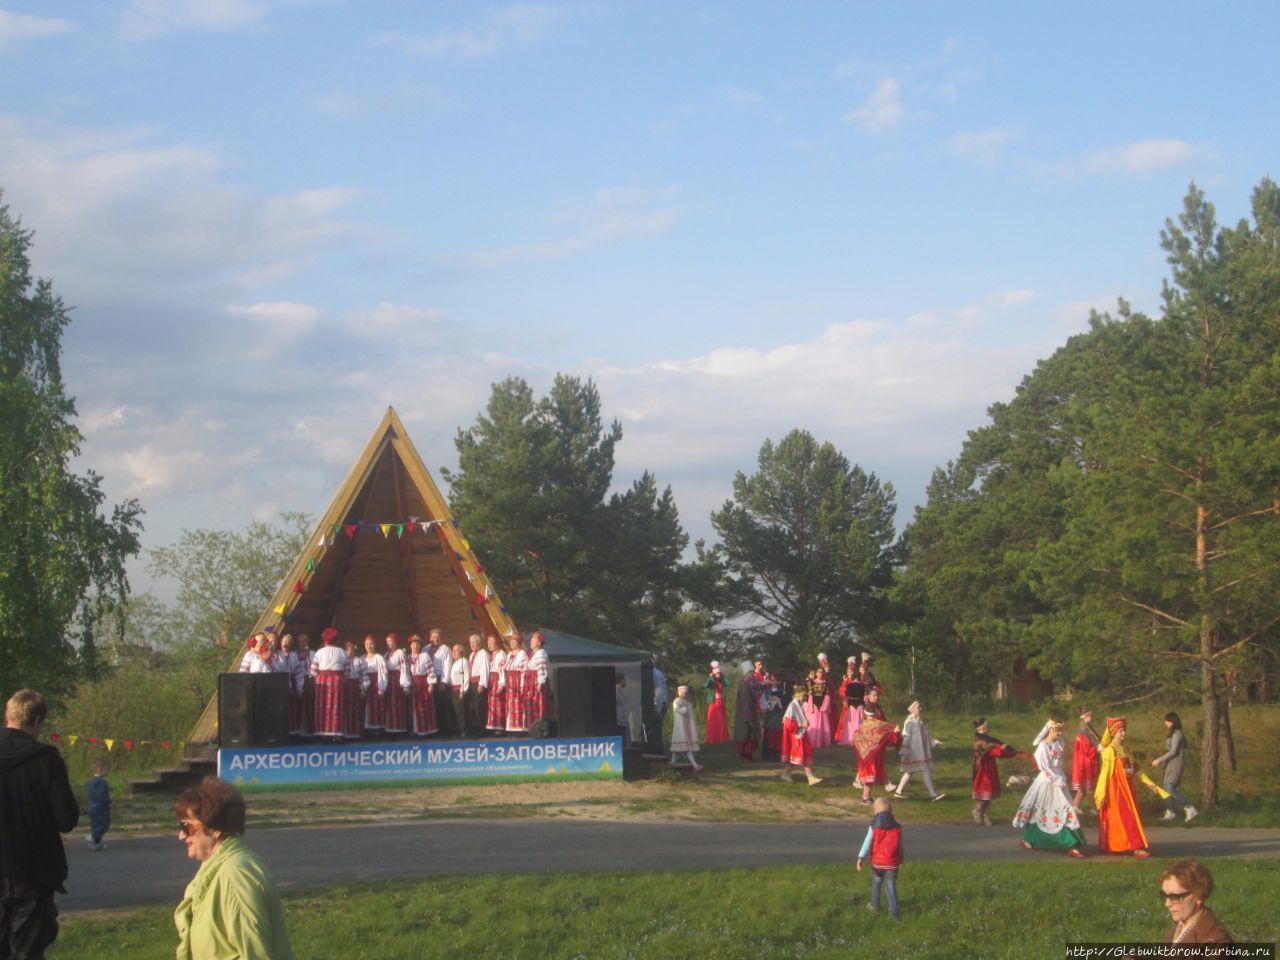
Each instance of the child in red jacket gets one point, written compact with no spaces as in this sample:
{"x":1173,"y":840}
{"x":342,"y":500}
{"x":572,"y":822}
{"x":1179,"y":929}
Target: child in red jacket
{"x":883,"y":847}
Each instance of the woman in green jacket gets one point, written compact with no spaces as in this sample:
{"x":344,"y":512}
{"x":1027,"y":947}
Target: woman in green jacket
{"x":231,"y":910}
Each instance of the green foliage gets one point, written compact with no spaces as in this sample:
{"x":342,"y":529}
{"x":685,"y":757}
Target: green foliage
{"x":808,"y":549}
{"x":532,"y":494}
{"x":951,"y":911}
{"x":227,"y":578}
{"x":60,"y":558}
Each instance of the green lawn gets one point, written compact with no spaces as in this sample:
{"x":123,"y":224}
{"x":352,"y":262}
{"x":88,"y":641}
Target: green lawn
{"x":952,"y":911}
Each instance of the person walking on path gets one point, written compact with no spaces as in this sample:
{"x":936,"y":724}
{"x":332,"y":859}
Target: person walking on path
{"x":684,"y":729}
{"x":1046,"y":816}
{"x":99,"y":806}
{"x":1119,"y":826}
{"x":1175,"y":747}
{"x":916,"y":754}
{"x":36,"y":805}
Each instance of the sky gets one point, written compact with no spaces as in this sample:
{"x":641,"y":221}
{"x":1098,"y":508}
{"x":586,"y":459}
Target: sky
{"x":275,"y":218}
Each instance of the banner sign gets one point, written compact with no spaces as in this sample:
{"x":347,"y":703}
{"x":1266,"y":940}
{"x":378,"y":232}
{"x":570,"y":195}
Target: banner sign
{"x":421,"y":763}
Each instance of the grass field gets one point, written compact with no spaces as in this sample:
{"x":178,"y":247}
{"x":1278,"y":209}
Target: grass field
{"x":949,"y":910}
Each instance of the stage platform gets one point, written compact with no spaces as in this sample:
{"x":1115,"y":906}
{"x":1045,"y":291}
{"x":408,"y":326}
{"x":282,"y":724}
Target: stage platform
{"x":362,"y":763}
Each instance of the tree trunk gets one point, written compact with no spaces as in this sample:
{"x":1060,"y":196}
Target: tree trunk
{"x":1209,"y":743}
{"x":1228,"y":739}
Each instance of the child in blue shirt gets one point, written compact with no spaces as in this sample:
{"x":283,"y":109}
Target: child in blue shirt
{"x":883,"y":847}
{"x":99,"y":807}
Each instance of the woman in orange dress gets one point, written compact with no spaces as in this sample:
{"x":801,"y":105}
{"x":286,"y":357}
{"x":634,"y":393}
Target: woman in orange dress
{"x":1119,"y":828}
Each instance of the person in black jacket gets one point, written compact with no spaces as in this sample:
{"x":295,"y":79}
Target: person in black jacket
{"x":36,"y":804}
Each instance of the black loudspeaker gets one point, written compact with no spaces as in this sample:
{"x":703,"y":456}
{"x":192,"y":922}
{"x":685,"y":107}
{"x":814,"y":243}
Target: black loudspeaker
{"x":270,"y":724}
{"x":585,"y":702}
{"x":604,"y":703}
{"x":253,"y":709}
{"x":235,"y":710}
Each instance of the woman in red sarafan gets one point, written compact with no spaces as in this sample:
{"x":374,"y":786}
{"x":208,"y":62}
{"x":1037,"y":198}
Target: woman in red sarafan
{"x":986,"y":777}
{"x":717,"y":720}
{"x":1084,"y":760}
{"x":1119,"y":827}
{"x":874,"y":736}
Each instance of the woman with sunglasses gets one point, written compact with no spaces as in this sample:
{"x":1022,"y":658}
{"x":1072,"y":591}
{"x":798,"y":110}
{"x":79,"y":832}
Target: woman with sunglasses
{"x":1184,"y":887}
{"x":231,"y":909}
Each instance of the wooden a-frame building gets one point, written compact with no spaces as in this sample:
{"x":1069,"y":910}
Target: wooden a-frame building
{"x":386,"y":556}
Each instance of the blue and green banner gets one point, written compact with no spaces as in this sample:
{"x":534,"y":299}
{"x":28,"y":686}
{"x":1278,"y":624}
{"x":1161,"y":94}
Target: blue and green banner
{"x":421,"y":762}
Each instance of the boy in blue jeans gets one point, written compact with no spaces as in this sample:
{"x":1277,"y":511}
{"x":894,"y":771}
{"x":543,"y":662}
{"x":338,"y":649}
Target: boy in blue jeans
{"x":883,"y":847}
{"x":99,"y":807}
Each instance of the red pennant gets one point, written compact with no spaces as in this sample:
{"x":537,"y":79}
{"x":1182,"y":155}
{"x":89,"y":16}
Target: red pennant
{"x":165,"y":744}
{"x":297,"y":587}
{"x":128,"y":744}
{"x":93,"y":739}
{"x":55,"y":737}
{"x":350,"y":530}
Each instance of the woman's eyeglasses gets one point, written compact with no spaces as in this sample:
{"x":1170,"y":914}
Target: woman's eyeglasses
{"x":1175,"y":897}
{"x":187,"y":827}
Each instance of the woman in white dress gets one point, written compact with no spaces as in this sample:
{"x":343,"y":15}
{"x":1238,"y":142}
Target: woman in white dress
{"x":1046,"y":817}
{"x":916,"y":754}
{"x":684,"y":729}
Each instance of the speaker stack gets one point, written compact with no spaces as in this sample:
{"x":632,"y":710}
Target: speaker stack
{"x":586,"y":704}
{"x":253,"y":709}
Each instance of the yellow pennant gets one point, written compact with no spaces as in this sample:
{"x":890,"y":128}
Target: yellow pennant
{"x":72,"y":739}
{"x":110,"y":744}
{"x":280,"y":610}
{"x":386,"y":529}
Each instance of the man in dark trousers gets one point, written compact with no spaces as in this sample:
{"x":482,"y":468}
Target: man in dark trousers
{"x":36,"y":804}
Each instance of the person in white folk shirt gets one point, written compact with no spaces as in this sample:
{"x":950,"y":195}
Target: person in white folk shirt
{"x":265,"y":660}
{"x":353,"y":722}
{"x":476,"y":696}
{"x":250,"y":653}
{"x":537,"y":681}
{"x":290,"y":664}
{"x":916,"y":754}
{"x":396,"y":712}
{"x":421,"y":667}
{"x":496,"y":708}
{"x":375,"y":688}
{"x":329,"y":667}
{"x":517,"y":664}
{"x":442,"y":656}
{"x":459,"y":680}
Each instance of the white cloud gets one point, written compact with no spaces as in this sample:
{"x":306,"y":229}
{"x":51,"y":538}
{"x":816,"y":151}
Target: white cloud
{"x":737,"y":97}
{"x":507,"y":29}
{"x":102,"y":418}
{"x":882,"y":112}
{"x":608,"y":215}
{"x":980,"y":146}
{"x":148,"y":19}
{"x":16,"y":27}
{"x":118,"y":213}
{"x":1145,"y":156}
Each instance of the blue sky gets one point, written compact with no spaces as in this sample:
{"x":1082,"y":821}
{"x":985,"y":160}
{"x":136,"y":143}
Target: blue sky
{"x":276,"y":217}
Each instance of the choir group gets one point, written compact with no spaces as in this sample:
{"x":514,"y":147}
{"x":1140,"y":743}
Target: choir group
{"x":499,"y":686}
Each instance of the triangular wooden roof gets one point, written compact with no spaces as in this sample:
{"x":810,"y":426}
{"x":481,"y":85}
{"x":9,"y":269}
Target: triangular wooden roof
{"x":386,"y":556}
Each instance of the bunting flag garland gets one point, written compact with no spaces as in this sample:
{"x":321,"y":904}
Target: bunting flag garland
{"x":385,"y":528}
{"x":350,"y":530}
{"x":400,"y":531}
{"x":311,"y":565}
{"x":129,"y":743}
{"x":280,"y":609}
{"x":298,"y":587}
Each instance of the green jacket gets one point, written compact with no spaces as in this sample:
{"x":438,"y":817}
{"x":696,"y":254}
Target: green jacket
{"x":231,"y":910}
